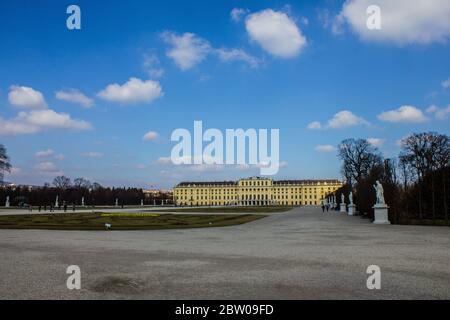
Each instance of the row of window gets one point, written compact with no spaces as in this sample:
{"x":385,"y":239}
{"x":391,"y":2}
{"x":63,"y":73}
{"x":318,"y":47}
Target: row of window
{"x":278,"y":190}
{"x":254,"y":183}
{"x":246,"y":197}
{"x":256,"y":203}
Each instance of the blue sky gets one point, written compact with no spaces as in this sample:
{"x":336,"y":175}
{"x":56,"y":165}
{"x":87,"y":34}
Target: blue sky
{"x":270,"y":64}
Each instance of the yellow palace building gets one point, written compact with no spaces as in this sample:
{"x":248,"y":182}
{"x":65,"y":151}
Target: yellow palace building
{"x":254,"y":191}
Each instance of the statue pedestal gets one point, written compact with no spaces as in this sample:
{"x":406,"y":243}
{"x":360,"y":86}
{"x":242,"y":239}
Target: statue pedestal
{"x":343,"y":207}
{"x":351,"y":209}
{"x":381,"y":214}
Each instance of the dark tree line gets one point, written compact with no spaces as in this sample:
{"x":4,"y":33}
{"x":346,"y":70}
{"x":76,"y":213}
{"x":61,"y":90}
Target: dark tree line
{"x":72,"y":193}
{"x":415,"y":184}
{"x":5,"y":165}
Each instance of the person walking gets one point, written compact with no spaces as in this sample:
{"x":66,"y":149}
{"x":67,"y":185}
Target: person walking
{"x":323,"y":207}
{"x":328,"y":207}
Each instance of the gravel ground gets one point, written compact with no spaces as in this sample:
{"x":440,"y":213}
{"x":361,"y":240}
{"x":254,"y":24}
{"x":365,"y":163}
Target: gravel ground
{"x":301,"y":254}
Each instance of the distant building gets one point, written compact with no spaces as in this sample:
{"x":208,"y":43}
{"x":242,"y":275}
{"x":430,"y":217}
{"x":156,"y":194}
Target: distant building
{"x":157,"y":193}
{"x":254,"y":191}
{"x":13,"y":186}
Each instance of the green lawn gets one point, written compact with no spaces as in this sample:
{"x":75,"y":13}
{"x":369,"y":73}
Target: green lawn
{"x":233,"y":209}
{"x":121,"y":221}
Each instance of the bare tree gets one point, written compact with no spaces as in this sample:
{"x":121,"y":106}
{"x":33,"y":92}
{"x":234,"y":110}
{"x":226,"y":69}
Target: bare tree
{"x":62,"y":182}
{"x":406,"y":171}
{"x":390,"y":171}
{"x":358,"y":158}
{"x":441,"y":160}
{"x":82,"y":183}
{"x":5,"y":165}
{"x":96,"y":186}
{"x":426,"y":152}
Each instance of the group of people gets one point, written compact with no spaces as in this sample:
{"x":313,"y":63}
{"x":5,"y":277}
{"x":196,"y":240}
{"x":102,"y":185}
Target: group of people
{"x":326,"y":207}
{"x":51,"y":208}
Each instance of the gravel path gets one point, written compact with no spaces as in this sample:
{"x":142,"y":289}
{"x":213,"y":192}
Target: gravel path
{"x":301,"y":254}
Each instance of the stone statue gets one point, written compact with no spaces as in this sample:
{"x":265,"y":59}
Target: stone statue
{"x":350,"y":197}
{"x":82,"y":201}
{"x":154,"y":202}
{"x":380,"y":192}
{"x":342,"y":198}
{"x":57,"y":202}
{"x":117,"y":202}
{"x":142,"y":202}
{"x":7,"y":202}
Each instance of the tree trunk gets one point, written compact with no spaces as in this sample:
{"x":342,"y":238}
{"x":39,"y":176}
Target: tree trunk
{"x":420,"y":198}
{"x":445,"y":196}
{"x":433,"y":197}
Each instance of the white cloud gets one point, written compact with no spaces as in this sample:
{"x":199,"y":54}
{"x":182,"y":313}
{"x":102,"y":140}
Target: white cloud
{"x":304,"y":21}
{"x":44,"y":153}
{"x":439,"y":113}
{"x":314,"y":125}
{"x":39,"y":118}
{"x":228,"y":55}
{"x":26,"y":97}
{"x":407,"y":114}
{"x":60,"y":157}
{"x":14,"y":172}
{"x":51,"y":119}
{"x":402,"y":21}
{"x":185,"y":163}
{"x":164,"y":160}
{"x":376,"y":142}
{"x":325,"y":148}
{"x":28,"y":122}
{"x":75,"y":96}
{"x":236,"y":14}
{"x":49,"y":153}
{"x":446,"y":83}
{"x":151,"y":135}
{"x":187,"y":50}
{"x":92,"y":154}
{"x":14,"y":127}
{"x":133,"y":91}
{"x":47,"y":168}
{"x":345,"y":119}
{"x":153,"y":65}
{"x":275,"y":32}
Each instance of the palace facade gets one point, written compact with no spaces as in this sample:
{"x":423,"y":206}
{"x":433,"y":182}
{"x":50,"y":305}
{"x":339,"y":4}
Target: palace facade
{"x":254,"y":191}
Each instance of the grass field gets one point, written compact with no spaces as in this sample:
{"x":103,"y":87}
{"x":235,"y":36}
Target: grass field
{"x":233,"y":209}
{"x":121,"y":221}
